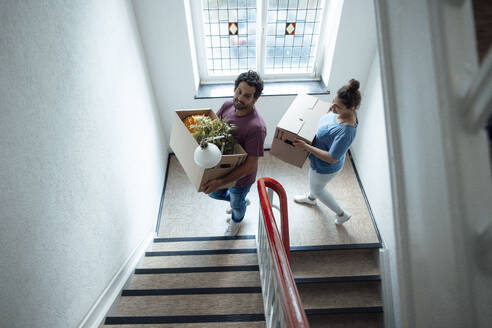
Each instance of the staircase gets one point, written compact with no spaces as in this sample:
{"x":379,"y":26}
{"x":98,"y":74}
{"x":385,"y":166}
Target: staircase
{"x":214,"y":281}
{"x":193,"y":282}
{"x":338,"y":287}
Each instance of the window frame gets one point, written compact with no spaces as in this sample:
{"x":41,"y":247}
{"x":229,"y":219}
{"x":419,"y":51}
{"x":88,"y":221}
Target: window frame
{"x":197,"y":24}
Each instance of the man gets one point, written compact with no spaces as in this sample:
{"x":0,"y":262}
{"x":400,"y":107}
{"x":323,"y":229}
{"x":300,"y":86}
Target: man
{"x":250,"y":133}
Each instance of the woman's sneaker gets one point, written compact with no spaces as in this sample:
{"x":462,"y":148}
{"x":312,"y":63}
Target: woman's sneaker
{"x":304,"y":199}
{"x":229,"y":210}
{"x":344,"y":218}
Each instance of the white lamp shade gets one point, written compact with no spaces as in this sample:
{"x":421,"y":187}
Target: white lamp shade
{"x":207,"y":157}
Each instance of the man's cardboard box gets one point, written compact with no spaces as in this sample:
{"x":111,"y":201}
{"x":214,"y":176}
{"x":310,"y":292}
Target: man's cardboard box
{"x":183,"y":144}
{"x":300,"y":121}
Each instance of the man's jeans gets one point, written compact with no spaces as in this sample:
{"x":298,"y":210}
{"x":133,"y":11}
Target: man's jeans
{"x":236,"y":196}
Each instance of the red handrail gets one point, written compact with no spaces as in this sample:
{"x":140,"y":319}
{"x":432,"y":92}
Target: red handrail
{"x":267,"y":207}
{"x":295,"y":314}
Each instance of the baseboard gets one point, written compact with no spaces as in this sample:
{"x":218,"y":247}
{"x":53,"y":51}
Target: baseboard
{"x":161,"y":204}
{"x":96,"y":314}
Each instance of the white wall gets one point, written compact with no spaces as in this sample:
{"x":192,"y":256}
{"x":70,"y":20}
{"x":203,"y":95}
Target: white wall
{"x":355,"y":43}
{"x":165,"y":37}
{"x":82,"y":160}
{"x":370,"y":152}
{"x":333,"y":13}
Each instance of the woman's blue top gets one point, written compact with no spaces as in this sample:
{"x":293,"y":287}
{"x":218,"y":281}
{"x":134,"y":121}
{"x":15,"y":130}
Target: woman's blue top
{"x":336,"y":139}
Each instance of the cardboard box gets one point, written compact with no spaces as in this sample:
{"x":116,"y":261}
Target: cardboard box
{"x":183,"y":144}
{"x":300,"y":121}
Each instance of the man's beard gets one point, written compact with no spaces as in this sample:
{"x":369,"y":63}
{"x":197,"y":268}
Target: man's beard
{"x":239,"y":106}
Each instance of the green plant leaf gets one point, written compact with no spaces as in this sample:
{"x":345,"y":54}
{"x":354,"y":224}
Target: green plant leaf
{"x":209,"y":127}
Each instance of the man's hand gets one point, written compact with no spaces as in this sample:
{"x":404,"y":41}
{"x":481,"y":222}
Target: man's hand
{"x":298,"y":143}
{"x":212,"y":186}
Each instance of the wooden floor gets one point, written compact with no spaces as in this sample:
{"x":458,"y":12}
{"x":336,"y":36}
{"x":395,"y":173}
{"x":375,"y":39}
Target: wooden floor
{"x":187,"y":213}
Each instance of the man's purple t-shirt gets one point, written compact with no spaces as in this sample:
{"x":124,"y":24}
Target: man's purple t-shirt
{"x":250,"y":134}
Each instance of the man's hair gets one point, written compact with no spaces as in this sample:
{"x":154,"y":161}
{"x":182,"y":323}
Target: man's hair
{"x":252,"y":79}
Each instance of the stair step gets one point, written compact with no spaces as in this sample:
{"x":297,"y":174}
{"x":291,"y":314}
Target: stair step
{"x":333,"y":247}
{"x":352,"y":320}
{"x":340,"y":296}
{"x":255,"y":324}
{"x":206,"y":260}
{"x":178,"y":239}
{"x":334,"y":263}
{"x":190,"y":305}
{"x":228,"y":268}
{"x":233,"y":321}
{"x":204,"y":245}
{"x":190,"y":291}
{"x":196,"y":280}
{"x":337,"y":279}
{"x":202,"y":252}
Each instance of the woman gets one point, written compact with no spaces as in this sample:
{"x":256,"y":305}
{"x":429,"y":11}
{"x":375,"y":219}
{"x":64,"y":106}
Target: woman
{"x":336,"y":131}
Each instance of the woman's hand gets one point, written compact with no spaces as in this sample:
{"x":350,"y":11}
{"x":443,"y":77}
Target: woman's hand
{"x":300,"y":143}
{"x":321,"y":154}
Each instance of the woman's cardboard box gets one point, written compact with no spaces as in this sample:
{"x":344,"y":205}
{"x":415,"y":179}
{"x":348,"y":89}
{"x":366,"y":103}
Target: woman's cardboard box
{"x":300,"y":121}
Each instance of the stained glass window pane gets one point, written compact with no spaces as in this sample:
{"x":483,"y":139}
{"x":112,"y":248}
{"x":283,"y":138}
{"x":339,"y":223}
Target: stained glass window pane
{"x":230,"y":35}
{"x":296,"y":45}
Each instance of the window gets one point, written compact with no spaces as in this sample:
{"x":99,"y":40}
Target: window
{"x":277,"y":38}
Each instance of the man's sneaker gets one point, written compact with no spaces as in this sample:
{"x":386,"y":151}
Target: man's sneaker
{"x":233,"y":228}
{"x":344,"y":218}
{"x":304,"y":199}
{"x":229,"y":210}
